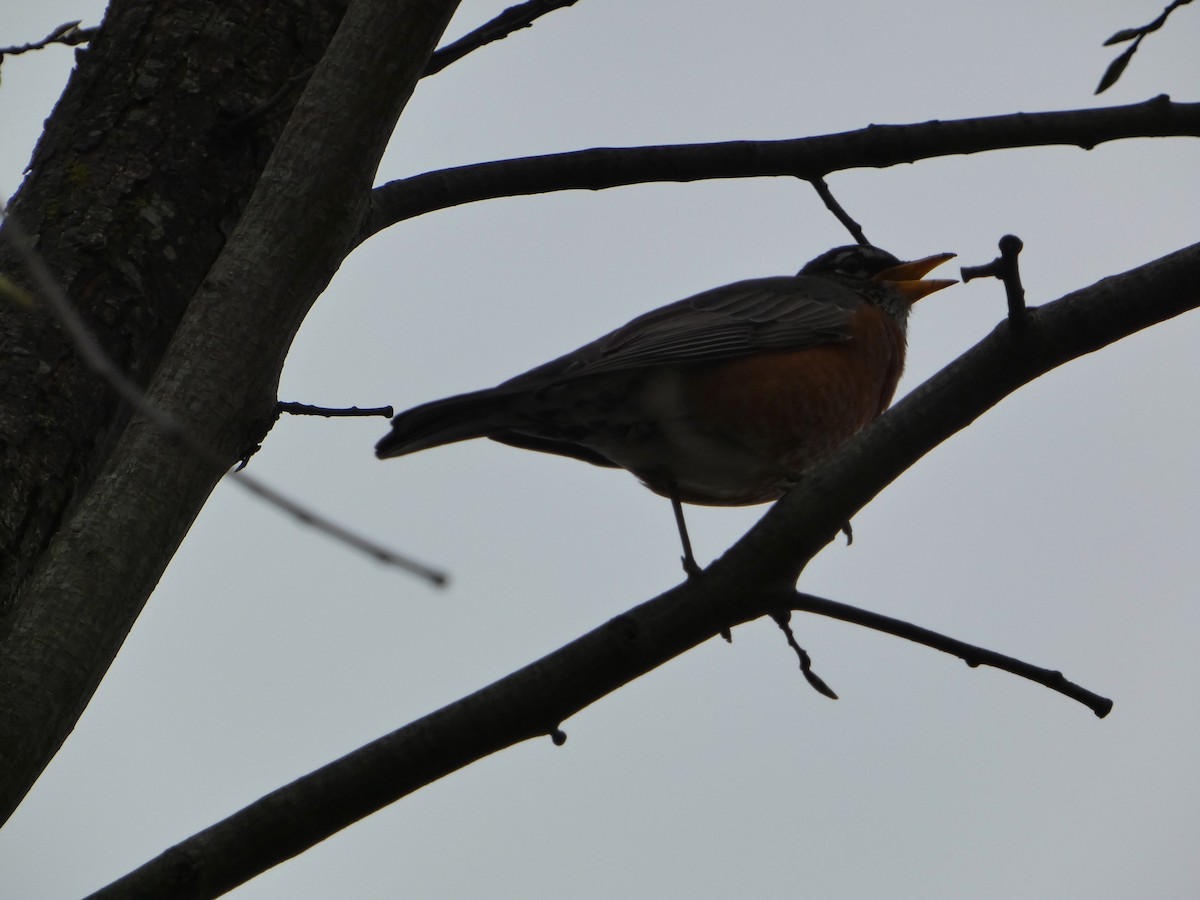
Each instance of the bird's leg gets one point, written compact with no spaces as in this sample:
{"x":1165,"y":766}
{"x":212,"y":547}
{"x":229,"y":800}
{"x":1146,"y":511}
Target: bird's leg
{"x":690,"y":566}
{"x":849,"y":533}
{"x":689,"y":561}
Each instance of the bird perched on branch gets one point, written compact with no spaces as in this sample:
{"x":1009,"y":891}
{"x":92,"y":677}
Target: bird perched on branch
{"x":722,"y":399}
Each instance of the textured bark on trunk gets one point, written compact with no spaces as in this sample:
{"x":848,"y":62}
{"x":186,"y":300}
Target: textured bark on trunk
{"x":195,"y":253}
{"x":143,"y":170}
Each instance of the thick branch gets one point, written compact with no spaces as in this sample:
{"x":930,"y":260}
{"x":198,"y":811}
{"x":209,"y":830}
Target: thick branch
{"x":876,"y":146}
{"x":742,"y":585}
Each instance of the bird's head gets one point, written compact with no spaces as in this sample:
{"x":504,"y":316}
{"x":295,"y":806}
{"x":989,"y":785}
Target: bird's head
{"x":885,"y":279}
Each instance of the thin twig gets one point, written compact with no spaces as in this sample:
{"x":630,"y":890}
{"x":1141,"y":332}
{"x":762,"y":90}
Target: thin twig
{"x":1006,"y":267}
{"x":970,"y":654}
{"x":784,"y":621}
{"x":1116,"y":68}
{"x":68,"y":34}
{"x":304,"y":409}
{"x":512,"y":19}
{"x":98,"y":361}
{"x":837,"y":209}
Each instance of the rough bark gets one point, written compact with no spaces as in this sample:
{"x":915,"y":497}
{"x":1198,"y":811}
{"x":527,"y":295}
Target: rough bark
{"x":86,"y":587}
{"x":142,"y":172}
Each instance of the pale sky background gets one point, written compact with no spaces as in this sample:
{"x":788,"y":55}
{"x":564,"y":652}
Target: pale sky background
{"x":1062,"y":528}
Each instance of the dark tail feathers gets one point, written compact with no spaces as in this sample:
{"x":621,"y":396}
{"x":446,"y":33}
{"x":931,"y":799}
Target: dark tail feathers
{"x":444,"y":422}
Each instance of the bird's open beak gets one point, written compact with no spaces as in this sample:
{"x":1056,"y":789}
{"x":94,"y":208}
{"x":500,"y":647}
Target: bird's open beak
{"x":908,"y":278}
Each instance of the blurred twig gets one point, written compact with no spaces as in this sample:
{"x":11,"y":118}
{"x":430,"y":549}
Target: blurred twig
{"x":94,"y":356}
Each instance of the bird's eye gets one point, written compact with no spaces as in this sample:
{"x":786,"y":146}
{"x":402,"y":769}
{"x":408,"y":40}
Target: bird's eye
{"x":851,"y":264}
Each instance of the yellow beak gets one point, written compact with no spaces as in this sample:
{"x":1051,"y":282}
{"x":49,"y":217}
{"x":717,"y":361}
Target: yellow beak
{"x":908,"y":278}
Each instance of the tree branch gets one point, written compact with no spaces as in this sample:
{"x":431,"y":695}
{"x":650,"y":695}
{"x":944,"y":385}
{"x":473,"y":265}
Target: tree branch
{"x":876,"y":146}
{"x":839,"y":212}
{"x":305,"y":409}
{"x":69,"y":34}
{"x":1117,"y":67}
{"x":970,"y":654}
{"x":1005,"y":267}
{"x":742,"y":585}
{"x":511,"y":20}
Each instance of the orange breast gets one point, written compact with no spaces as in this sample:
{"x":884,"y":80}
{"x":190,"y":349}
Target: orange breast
{"x":795,"y":407}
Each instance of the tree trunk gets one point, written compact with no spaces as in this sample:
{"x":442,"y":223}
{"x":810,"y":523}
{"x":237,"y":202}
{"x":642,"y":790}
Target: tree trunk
{"x":130,"y":195}
{"x":191,"y":234}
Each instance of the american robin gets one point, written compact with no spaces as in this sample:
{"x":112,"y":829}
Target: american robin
{"x":721,"y":399}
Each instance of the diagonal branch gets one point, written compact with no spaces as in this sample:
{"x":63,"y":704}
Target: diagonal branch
{"x":511,"y":20}
{"x":839,"y":212}
{"x":876,"y":146}
{"x":742,"y":585}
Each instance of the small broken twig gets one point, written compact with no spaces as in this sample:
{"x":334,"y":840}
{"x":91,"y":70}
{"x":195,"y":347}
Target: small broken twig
{"x":1008,"y":270}
{"x":304,"y":409}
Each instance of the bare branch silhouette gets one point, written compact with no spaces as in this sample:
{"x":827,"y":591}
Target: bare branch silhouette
{"x":838,"y":210}
{"x":972,"y":655}
{"x":511,"y":20}
{"x":304,"y":409}
{"x":1007,"y":269}
{"x":69,"y":34}
{"x":1116,"y":68}
{"x":876,"y":146}
{"x":744,"y":584}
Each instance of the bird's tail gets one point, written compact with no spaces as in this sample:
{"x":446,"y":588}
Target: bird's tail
{"x":446,"y":421}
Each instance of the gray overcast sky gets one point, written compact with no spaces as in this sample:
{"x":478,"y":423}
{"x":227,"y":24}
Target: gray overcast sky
{"x":1061,"y":528}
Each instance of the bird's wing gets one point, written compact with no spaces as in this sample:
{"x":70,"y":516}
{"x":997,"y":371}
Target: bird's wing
{"x":762,"y":314}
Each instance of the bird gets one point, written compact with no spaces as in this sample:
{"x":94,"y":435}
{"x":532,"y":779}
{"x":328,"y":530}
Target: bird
{"x":724,"y":398}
